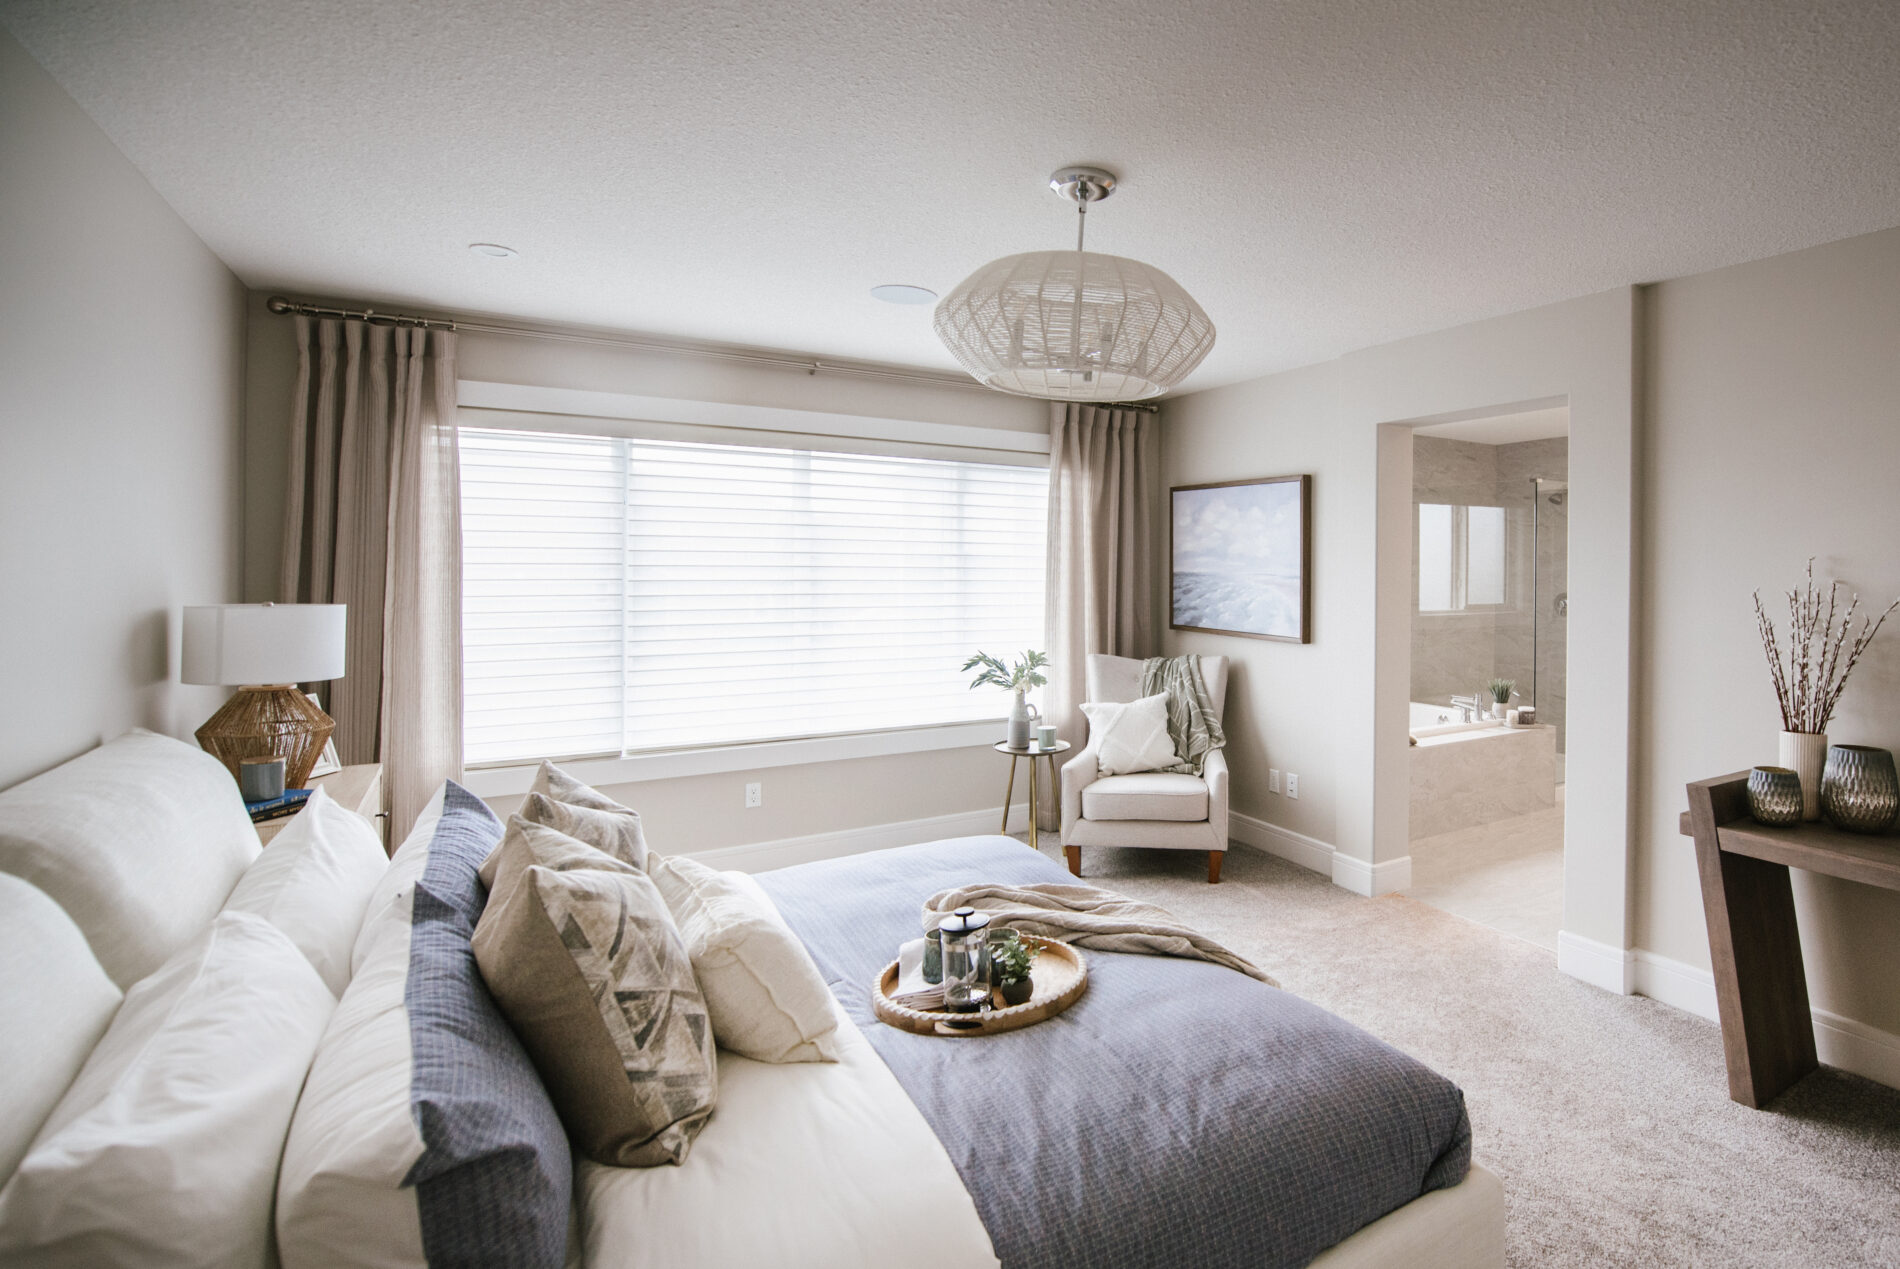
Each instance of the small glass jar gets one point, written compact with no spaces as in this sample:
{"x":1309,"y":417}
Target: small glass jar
{"x":965,"y":981}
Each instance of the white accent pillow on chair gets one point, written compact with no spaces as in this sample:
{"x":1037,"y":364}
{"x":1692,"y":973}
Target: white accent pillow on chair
{"x":1130,"y":736}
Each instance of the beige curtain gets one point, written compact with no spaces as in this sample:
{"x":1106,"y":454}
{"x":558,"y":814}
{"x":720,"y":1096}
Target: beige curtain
{"x":372,"y":519}
{"x":1104,"y":477}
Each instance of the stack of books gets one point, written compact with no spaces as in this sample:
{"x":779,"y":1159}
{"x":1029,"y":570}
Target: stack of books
{"x":289,"y":803}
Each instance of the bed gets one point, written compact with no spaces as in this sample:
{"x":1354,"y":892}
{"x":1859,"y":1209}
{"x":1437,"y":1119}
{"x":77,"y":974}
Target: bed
{"x":1179,"y":1113}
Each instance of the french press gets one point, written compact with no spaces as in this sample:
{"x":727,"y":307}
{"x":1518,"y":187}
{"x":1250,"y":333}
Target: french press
{"x":965,"y":980}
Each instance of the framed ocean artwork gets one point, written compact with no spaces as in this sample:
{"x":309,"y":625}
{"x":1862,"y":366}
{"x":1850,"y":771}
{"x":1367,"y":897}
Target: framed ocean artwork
{"x":1241,"y":558}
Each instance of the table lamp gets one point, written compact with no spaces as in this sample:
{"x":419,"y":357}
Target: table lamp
{"x":265,"y":651}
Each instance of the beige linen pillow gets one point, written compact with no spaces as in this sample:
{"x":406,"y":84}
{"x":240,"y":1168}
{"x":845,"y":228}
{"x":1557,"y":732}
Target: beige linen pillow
{"x":585,"y":962}
{"x":767,"y":1000}
{"x":561,"y":802}
{"x":553,"y":848}
{"x":617,"y":832}
{"x":1130,"y":736}
{"x":562,"y":787}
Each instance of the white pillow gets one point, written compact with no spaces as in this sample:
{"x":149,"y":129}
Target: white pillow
{"x":139,"y":840}
{"x":765,"y":996}
{"x":313,"y":882}
{"x":165,"y":1149}
{"x":1131,"y":736}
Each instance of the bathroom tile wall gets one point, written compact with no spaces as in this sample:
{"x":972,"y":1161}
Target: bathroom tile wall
{"x":1459,"y":652}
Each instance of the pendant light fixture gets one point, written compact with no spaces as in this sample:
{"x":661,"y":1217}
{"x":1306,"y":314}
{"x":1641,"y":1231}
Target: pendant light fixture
{"x":1073,"y":325}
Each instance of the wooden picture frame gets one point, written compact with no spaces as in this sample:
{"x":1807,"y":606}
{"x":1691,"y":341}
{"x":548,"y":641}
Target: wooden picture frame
{"x":1237,"y":536}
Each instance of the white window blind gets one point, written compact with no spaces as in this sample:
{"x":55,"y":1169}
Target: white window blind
{"x":623,"y":596}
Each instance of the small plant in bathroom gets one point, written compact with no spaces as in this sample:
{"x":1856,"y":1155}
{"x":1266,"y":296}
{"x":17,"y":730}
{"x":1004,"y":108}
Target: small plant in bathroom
{"x":1501,"y":690}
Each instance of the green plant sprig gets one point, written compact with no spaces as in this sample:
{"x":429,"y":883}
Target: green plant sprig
{"x":1026,"y":673}
{"x":1501,"y":689}
{"x":1010,"y":962}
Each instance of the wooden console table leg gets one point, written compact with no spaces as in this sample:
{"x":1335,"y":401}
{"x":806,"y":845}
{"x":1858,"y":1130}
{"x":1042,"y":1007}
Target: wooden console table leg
{"x":1761,"y":988}
{"x":1008,"y":793}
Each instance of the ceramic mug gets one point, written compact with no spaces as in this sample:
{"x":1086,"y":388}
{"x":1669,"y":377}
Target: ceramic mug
{"x":261,"y":779}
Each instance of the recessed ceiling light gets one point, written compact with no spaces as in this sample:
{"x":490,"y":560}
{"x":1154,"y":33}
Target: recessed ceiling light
{"x":896,"y":293}
{"x":494,"y":249}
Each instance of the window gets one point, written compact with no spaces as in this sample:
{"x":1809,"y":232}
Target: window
{"x":1461,"y":557}
{"x":623,"y":596}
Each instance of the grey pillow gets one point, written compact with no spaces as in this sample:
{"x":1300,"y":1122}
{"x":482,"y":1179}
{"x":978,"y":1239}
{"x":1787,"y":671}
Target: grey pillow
{"x":588,"y":967}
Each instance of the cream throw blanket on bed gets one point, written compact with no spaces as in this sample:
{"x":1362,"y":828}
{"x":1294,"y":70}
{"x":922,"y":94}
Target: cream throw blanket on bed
{"x":1087,"y":917}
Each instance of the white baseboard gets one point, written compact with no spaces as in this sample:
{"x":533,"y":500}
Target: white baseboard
{"x":1838,"y":1041}
{"x":1676,"y":983}
{"x":1346,"y":871}
{"x":1283,"y":843}
{"x":786,"y":851}
{"x":1386,"y":877}
{"x":1599,"y":964}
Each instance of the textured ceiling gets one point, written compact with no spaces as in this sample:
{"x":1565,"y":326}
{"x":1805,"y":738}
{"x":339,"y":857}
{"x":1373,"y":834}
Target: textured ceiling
{"x":1323,"y":175}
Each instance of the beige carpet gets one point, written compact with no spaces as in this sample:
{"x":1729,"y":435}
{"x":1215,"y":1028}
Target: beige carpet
{"x":1608,"y":1117}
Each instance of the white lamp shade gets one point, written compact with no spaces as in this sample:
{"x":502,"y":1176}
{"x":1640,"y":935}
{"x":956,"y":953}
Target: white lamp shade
{"x":1074,"y":326}
{"x":234,"y":644}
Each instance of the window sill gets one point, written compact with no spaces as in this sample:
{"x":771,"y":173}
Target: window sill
{"x":515,"y":778}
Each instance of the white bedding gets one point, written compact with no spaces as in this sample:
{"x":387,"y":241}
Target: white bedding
{"x":807,"y":1165}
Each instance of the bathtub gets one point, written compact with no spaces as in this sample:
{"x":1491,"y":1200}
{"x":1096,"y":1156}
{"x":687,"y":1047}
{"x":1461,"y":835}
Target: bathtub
{"x":1441,"y":720}
{"x":1467,"y":774}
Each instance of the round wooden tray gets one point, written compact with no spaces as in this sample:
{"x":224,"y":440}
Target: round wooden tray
{"x":1060,"y":977}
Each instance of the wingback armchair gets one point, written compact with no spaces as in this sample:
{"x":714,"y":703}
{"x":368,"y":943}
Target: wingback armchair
{"x":1170,"y":811}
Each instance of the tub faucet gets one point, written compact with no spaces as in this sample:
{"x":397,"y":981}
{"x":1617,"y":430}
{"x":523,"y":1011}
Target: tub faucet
{"x":1467,"y":707}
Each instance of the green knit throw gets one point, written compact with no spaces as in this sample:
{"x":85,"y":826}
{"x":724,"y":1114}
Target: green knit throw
{"x":1192,"y":723}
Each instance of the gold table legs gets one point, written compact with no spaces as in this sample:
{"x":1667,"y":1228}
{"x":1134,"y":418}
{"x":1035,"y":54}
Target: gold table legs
{"x":1035,"y":793}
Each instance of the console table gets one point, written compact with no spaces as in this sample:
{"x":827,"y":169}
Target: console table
{"x":1761,"y":988}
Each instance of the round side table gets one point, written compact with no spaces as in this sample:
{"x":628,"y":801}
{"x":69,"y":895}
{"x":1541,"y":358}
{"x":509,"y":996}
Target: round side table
{"x":1032,"y":752}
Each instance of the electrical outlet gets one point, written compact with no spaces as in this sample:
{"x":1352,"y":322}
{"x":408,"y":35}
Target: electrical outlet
{"x":1292,"y":785}
{"x":755,"y":794}
{"x":1273,"y":779}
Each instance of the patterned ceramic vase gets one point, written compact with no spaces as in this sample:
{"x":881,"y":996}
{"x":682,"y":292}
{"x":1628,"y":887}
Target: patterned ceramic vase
{"x":1774,"y":796}
{"x":1860,"y":791}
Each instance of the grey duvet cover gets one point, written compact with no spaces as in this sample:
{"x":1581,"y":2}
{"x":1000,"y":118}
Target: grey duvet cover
{"x":1179,"y":1114}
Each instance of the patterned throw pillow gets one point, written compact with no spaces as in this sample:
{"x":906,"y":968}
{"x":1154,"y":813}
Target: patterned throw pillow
{"x":588,"y":966}
{"x":564,"y":803}
{"x":1130,"y":736}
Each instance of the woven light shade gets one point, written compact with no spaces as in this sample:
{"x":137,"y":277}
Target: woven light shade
{"x":1074,"y":326}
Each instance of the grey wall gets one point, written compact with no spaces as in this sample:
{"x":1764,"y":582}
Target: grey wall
{"x":121,"y":365}
{"x":1774,"y":434}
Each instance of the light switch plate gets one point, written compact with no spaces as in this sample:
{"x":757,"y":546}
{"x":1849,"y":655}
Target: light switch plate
{"x":1292,"y":785}
{"x":1273,"y":779}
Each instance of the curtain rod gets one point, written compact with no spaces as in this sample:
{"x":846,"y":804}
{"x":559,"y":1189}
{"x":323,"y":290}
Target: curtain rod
{"x":283,"y":307}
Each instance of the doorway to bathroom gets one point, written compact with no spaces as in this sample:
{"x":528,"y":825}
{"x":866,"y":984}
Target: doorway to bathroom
{"x":1490,"y":608}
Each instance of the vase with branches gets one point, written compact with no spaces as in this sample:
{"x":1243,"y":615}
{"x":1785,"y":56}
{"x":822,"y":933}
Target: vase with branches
{"x":1019,"y":678}
{"x":1811,"y":673}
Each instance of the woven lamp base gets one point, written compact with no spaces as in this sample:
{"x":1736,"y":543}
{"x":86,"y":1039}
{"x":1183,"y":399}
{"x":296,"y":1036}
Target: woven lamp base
{"x":269,"y":722}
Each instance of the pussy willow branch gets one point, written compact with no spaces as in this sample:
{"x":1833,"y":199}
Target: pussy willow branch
{"x":1809,"y":686}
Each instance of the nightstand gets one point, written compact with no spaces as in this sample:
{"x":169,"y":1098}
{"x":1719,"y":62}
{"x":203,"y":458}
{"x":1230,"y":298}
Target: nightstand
{"x":358,"y":788}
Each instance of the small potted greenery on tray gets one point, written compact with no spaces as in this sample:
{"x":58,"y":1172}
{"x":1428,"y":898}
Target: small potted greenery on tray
{"x":1501,"y":690}
{"x":1010,"y":962}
